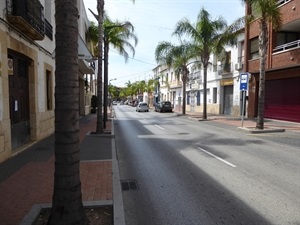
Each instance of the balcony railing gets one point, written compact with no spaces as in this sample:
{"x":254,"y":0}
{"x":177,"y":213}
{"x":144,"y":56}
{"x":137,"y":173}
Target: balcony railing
{"x":287,"y":46}
{"x":281,"y":2}
{"x":225,"y":68}
{"x":48,"y":30}
{"x":27,"y":16}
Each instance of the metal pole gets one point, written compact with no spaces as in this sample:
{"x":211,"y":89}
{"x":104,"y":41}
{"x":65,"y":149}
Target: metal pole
{"x":243,"y":107}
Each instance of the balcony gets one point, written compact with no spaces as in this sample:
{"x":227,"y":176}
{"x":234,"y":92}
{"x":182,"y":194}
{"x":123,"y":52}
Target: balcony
{"x":27,"y":16}
{"x":287,"y":46}
{"x":281,"y":2}
{"x":225,"y":69}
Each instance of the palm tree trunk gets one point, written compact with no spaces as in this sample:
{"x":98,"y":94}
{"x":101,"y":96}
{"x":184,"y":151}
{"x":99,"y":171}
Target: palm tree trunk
{"x":184,"y":98}
{"x":204,"y":116}
{"x":100,"y":9}
{"x":67,"y":207}
{"x":263,"y":41}
{"x":105,"y":94}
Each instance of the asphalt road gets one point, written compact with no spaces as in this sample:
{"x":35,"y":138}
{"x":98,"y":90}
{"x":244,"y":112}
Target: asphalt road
{"x":179,"y":171}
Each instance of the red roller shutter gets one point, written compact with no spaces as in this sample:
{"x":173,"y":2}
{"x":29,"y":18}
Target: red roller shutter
{"x":283,"y":99}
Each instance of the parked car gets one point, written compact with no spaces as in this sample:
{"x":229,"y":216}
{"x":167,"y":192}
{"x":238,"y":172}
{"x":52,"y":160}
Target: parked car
{"x":142,"y":107}
{"x":164,"y":106}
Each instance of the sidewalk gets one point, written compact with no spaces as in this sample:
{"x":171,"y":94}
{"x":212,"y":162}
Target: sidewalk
{"x":248,"y":124}
{"x":26,"y":180}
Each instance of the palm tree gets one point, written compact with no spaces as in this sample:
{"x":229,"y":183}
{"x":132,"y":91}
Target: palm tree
{"x":176,"y":56}
{"x":67,"y":207}
{"x":116,"y":34}
{"x":268,"y":12}
{"x":99,"y":17}
{"x":150,"y":87}
{"x":209,"y":36}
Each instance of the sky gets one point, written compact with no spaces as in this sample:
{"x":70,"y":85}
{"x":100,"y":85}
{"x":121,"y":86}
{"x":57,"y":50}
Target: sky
{"x":154,"y":21}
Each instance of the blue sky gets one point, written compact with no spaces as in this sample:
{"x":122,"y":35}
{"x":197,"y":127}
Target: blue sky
{"x":154,"y":21}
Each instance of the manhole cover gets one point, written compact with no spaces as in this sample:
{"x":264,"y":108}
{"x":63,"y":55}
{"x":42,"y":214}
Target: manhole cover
{"x":129,"y":185}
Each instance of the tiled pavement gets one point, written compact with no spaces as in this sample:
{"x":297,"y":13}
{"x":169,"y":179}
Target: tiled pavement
{"x":24,"y":183}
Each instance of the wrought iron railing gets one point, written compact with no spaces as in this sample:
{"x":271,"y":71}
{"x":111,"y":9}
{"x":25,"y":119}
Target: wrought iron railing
{"x":281,"y":2}
{"x":32,"y":11}
{"x":287,"y":46}
{"x":48,"y":30}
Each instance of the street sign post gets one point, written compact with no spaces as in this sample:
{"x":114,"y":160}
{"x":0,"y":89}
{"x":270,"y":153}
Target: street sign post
{"x":244,"y":78}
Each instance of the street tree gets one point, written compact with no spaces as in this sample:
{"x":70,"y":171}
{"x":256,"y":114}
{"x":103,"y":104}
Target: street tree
{"x":100,"y":18}
{"x":176,"y":56}
{"x":209,"y":37}
{"x":118,"y":35}
{"x":265,"y":12}
{"x":67,"y":207}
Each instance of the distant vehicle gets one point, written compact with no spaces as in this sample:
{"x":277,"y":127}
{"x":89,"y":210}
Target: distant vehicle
{"x":164,"y":106}
{"x":142,"y":107}
{"x":114,"y":103}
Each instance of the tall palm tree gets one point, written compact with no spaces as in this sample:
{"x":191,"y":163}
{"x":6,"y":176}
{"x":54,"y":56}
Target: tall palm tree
{"x":99,"y":17}
{"x":67,"y":207}
{"x":176,"y":56}
{"x":117,"y":35}
{"x":209,"y":36}
{"x":267,"y":12}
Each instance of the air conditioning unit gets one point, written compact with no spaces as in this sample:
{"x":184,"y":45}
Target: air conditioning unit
{"x":239,"y":66}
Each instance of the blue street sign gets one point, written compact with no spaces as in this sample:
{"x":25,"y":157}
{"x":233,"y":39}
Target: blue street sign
{"x":244,"y":81}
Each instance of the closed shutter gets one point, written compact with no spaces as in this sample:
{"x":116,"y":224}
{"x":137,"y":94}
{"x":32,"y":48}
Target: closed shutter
{"x":282,"y":100}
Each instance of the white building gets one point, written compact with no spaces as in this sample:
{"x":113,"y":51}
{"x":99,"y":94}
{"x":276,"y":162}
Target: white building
{"x":223,"y":87}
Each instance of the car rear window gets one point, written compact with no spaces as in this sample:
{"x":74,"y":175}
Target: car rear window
{"x":167,"y":103}
{"x":143,"y":104}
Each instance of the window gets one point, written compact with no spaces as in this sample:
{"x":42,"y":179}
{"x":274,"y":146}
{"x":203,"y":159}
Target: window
{"x":215,"y":95}
{"x":198,"y":97}
{"x":254,"y":53}
{"x":286,"y":37}
{"x":49,"y":91}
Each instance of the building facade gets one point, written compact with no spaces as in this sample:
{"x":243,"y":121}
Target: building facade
{"x":223,"y":83}
{"x":282,"y":92}
{"x":27,"y":69}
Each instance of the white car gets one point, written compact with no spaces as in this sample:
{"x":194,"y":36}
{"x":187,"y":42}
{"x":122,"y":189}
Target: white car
{"x":142,"y":107}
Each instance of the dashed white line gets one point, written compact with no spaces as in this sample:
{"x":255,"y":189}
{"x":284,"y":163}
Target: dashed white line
{"x":222,"y":160}
{"x":159,"y":127}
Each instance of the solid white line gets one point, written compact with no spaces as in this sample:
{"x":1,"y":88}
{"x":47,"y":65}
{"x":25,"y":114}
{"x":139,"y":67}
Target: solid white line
{"x":222,"y":160}
{"x":159,"y":127}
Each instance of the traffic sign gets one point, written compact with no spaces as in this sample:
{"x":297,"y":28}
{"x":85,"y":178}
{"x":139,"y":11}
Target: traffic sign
{"x":244,"y":81}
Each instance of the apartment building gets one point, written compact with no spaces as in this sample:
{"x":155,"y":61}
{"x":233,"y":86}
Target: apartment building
{"x":27,"y":69}
{"x":223,"y":83}
{"x":282,"y":92}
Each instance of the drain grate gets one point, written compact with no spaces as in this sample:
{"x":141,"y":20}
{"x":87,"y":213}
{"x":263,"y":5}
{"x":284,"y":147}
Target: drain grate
{"x":129,"y":185}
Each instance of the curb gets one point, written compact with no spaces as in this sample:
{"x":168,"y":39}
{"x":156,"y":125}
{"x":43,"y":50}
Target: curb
{"x":118,"y":208}
{"x":35,"y":210}
{"x":253,"y":130}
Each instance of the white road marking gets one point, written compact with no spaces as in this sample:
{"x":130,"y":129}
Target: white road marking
{"x":222,"y":160}
{"x":159,"y":127}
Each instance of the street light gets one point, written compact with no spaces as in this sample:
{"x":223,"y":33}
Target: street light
{"x":112,"y":80}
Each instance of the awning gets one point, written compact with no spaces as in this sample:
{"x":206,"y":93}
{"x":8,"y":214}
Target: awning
{"x":85,"y":58}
